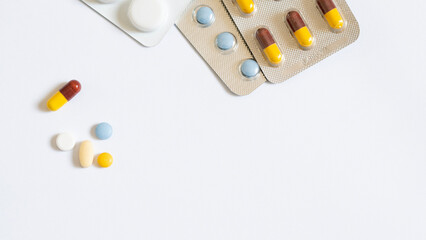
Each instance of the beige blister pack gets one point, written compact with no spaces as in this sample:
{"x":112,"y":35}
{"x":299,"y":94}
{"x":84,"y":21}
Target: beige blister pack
{"x":208,"y":27}
{"x":288,"y":36}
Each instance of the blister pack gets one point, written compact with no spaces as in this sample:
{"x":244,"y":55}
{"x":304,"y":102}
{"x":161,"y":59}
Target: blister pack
{"x":147,"y":21}
{"x":288,"y":36}
{"x":208,"y":27}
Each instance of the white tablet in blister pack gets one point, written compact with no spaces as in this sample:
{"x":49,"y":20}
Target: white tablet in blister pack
{"x":147,"y":21}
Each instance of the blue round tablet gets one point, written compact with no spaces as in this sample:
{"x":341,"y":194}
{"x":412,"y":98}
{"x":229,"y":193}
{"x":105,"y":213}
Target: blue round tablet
{"x":225,"y":41}
{"x":103,"y":131}
{"x":250,"y":68}
{"x":205,"y":16}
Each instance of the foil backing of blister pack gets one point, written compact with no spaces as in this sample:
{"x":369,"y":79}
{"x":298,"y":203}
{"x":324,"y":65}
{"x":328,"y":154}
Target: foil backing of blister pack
{"x":226,"y":65}
{"x":117,"y":13}
{"x":272,"y":14}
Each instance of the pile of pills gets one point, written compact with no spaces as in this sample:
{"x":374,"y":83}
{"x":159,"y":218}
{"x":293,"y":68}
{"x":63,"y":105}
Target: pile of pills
{"x":66,"y":141}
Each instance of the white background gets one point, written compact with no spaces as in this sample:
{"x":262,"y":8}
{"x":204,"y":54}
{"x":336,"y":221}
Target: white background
{"x":337,"y":152}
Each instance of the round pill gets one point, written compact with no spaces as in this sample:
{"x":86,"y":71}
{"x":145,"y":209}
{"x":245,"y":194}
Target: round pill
{"x":205,"y":16}
{"x":103,"y":131}
{"x":65,"y":142}
{"x":105,"y":160}
{"x":147,"y":15}
{"x":250,"y":68}
{"x":225,"y":41}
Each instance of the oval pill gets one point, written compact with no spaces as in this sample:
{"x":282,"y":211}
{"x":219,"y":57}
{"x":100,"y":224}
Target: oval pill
{"x":86,"y":154}
{"x":300,"y":30}
{"x":65,"y":142}
{"x":331,"y":14}
{"x":105,"y":160}
{"x":64,"y":95}
{"x":269,"y":47}
{"x":147,"y":15}
{"x":247,"y":7}
{"x":250,"y":68}
{"x":205,"y":16}
{"x":225,"y":41}
{"x":103,"y":131}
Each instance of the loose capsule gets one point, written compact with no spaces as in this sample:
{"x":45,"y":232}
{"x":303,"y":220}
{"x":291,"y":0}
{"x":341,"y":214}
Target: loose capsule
{"x":269,"y":47}
{"x":247,"y":7}
{"x":64,"y":95}
{"x":299,"y":30}
{"x":331,"y":15}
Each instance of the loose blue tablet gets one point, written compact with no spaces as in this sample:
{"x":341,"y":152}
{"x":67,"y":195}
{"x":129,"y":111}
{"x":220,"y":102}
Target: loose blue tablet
{"x":103,"y":131}
{"x":225,"y":41}
{"x":205,"y":16}
{"x":250,"y":68}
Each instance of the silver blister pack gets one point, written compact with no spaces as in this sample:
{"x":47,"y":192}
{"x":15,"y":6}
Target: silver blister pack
{"x":273,"y":15}
{"x":204,"y":38}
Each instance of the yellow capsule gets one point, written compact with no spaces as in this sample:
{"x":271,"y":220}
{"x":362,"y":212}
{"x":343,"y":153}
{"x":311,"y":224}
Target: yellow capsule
{"x":304,"y":37}
{"x":247,"y":7}
{"x":57,"y":101}
{"x":334,"y":19}
{"x":299,"y":29}
{"x":274,"y":55}
{"x":105,"y":160}
{"x":331,"y":14}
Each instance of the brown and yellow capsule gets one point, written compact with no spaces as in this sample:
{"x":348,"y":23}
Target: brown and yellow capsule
{"x":269,"y":47}
{"x":332,"y":15}
{"x":299,"y":30}
{"x":64,"y":95}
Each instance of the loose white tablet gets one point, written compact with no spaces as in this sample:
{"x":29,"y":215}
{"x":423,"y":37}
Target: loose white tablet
{"x":147,"y":15}
{"x":65,"y":142}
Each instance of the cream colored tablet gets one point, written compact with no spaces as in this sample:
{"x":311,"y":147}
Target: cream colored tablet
{"x":147,"y":15}
{"x":65,"y":142}
{"x":86,"y":154}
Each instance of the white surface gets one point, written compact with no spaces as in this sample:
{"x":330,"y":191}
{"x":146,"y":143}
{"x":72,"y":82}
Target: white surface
{"x":65,"y":141}
{"x":326,"y":155}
